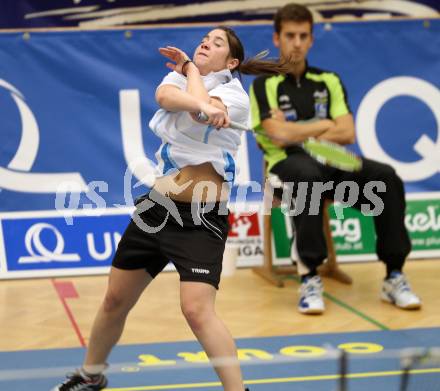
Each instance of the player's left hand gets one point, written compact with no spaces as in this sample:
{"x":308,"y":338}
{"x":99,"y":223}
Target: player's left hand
{"x":179,"y":57}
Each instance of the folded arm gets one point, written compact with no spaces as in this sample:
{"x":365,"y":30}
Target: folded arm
{"x":284,"y":133}
{"x":342,"y":132}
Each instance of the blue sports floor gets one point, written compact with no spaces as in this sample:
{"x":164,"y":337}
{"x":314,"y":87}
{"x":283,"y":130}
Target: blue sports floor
{"x":373,"y":364}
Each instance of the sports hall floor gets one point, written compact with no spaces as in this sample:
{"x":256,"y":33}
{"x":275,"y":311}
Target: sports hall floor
{"x":45,"y":324}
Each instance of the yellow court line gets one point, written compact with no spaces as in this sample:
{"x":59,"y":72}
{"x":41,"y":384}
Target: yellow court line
{"x":278,"y":380}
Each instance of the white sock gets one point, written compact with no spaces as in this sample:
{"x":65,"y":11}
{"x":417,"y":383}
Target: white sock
{"x":94,"y":370}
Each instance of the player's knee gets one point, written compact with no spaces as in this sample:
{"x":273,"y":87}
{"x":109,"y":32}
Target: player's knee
{"x":195,"y":314}
{"x":114,"y":304}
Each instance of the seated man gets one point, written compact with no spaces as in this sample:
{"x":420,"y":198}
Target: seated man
{"x":280,"y":107}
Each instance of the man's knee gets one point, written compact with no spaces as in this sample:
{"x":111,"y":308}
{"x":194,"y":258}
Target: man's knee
{"x":291,"y":170}
{"x":307,"y":175}
{"x":384,"y":172}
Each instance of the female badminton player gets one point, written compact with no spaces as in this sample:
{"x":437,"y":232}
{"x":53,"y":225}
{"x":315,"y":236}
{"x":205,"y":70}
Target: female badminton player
{"x":184,"y":218}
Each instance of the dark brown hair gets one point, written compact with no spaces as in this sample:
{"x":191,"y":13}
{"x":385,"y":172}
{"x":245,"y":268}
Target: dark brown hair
{"x":292,"y":13}
{"x":251,"y":66}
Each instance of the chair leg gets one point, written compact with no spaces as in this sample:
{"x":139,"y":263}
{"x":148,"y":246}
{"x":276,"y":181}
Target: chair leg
{"x":331,"y":269}
{"x":274,"y":274}
{"x":267,"y":271}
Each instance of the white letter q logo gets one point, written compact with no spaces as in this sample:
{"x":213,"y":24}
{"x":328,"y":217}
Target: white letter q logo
{"x":38,"y":251}
{"x":16,"y":177}
{"x":366,"y":124}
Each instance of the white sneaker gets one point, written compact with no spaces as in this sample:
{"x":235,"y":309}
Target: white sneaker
{"x":396,"y":290}
{"x":311,"y":301}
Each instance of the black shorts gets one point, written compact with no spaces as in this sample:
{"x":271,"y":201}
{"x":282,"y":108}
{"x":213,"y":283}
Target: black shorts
{"x":190,"y":235}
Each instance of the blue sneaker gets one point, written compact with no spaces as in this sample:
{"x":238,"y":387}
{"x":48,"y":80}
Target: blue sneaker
{"x":311,"y":301}
{"x":396,"y":290}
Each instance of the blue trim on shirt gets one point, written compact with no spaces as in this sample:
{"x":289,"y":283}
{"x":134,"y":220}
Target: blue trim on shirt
{"x":229,"y":167}
{"x":168,"y":163}
{"x":208,"y":131}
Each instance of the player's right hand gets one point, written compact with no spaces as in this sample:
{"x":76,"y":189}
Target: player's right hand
{"x":216,"y":117}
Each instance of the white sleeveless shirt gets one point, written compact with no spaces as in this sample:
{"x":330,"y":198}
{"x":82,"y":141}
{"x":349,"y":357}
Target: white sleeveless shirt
{"x":186,"y":142}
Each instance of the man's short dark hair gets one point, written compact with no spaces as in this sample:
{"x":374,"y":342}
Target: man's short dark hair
{"x":292,"y":13}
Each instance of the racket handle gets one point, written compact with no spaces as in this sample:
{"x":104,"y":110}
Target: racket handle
{"x":201,"y":116}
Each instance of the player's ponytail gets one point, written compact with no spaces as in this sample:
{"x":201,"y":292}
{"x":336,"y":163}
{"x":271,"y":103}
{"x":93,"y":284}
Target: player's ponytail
{"x":257,"y":65}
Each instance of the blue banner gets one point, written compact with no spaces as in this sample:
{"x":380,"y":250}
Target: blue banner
{"x":74,"y":109}
{"x":51,"y":243}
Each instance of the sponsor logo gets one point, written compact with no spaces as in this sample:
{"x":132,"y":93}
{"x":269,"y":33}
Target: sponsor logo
{"x":428,"y":149}
{"x":321,"y":110}
{"x":49,"y":243}
{"x":349,"y":229}
{"x":39,"y":252}
{"x":244,"y":226}
{"x":284,"y":98}
{"x":423,"y":221}
{"x":352,"y":234}
{"x":16,"y":176}
{"x":321,"y":96}
{"x":285,"y":104}
{"x":200,"y":271}
{"x":290,"y":115}
{"x":246,"y":234}
{"x":321,"y":104}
